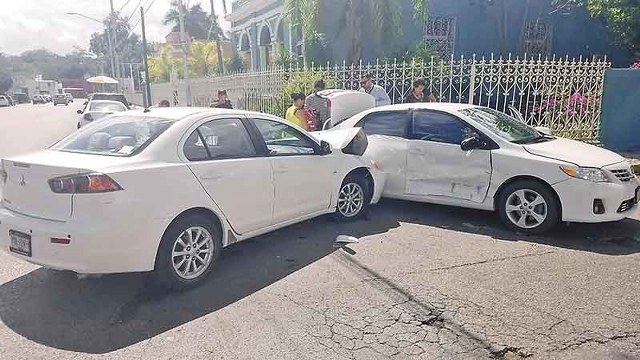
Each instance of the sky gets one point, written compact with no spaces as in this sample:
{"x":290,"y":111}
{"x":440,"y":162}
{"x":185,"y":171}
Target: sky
{"x":44,"y":24}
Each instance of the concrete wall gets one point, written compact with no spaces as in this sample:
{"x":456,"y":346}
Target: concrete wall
{"x":620,"y":119}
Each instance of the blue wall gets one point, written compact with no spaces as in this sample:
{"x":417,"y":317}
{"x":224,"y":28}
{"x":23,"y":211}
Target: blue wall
{"x":620,"y":118}
{"x":477,"y":30}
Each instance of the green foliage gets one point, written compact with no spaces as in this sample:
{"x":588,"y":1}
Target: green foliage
{"x":5,"y":81}
{"x":73,"y":66}
{"x":197,"y":22}
{"x":235,"y":64}
{"x":622,"y":18}
{"x":126,"y":44}
{"x":418,"y":52}
{"x":284,"y":58}
{"x":298,"y":81}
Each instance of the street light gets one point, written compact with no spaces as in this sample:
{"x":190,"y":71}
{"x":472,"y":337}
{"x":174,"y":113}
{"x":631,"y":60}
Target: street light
{"x":111,"y":57}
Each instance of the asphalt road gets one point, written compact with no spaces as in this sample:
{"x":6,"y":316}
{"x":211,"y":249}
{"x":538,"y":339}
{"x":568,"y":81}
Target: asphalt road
{"x":423,"y":282}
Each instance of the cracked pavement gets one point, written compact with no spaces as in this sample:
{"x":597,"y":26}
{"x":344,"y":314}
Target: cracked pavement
{"x":423,"y":282}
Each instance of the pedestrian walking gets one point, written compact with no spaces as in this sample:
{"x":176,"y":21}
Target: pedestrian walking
{"x":420,"y":93}
{"x":223,"y":101}
{"x":318,"y":104}
{"x":377,"y":91}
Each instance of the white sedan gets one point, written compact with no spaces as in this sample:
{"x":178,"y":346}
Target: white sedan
{"x":97,"y":109}
{"x":475,"y":157}
{"x":167,"y":189}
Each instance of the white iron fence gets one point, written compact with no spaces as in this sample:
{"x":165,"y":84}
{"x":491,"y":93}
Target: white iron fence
{"x":563,"y":94}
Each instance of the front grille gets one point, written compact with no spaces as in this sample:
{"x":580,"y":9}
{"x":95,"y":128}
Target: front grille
{"x":627,"y":205}
{"x":624,"y":175}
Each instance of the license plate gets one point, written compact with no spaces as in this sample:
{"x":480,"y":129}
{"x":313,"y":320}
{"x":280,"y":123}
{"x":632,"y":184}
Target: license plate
{"x":20,"y":243}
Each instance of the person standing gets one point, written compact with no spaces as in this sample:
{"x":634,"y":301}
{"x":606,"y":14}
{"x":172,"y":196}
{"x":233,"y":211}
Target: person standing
{"x":223,"y":101}
{"x":297,"y":114}
{"x":420,"y":93}
{"x":318,"y":104}
{"x":377,"y":91}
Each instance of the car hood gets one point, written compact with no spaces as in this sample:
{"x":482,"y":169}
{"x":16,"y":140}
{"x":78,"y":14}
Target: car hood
{"x":575,"y":152}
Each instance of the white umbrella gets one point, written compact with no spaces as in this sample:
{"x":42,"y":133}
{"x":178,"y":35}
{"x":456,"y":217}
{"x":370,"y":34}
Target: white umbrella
{"x":102,"y":80}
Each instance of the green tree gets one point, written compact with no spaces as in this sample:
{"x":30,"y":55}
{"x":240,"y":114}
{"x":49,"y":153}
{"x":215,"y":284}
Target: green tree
{"x":197,"y":22}
{"x":622,"y":18}
{"x":6,"y":82}
{"x":382,"y":18}
{"x":160,"y":67}
{"x":126,"y":44}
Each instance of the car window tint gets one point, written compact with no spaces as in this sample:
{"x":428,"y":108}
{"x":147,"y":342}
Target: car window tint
{"x":390,"y":123}
{"x":282,"y":139}
{"x":223,"y":139}
{"x":439,"y":127}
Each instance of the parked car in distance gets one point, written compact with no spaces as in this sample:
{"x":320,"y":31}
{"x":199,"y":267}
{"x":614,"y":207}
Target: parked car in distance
{"x":47,"y":98}
{"x":475,"y":157}
{"x":38,"y":99}
{"x":69,"y":97}
{"x":60,"y":99}
{"x":4,"y":101}
{"x":100,"y":195}
{"x":343,"y":104}
{"x":97,"y":109}
{"x":21,"y":98}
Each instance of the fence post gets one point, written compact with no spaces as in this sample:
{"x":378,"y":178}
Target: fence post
{"x":472,"y":82}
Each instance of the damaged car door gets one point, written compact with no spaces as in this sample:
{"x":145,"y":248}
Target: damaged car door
{"x":437,"y":166}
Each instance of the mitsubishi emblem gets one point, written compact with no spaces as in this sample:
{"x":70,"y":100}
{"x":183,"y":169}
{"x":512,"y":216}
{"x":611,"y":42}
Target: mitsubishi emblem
{"x":22,"y":182}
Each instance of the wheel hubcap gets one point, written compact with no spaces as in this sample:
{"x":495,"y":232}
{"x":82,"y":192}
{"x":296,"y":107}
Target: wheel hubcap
{"x":526,"y":209}
{"x":351,"y":200}
{"x":192,"y":252}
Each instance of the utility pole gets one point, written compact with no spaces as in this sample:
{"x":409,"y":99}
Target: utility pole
{"x":216,"y":37}
{"x":147,"y":87}
{"x":185,"y":53}
{"x":116,"y":61}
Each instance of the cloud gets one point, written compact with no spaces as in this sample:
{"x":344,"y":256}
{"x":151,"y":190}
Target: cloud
{"x":44,"y":24}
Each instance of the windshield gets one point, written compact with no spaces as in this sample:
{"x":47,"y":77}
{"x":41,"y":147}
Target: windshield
{"x":106,"y":106}
{"x":115,"y":136}
{"x":503,"y":125}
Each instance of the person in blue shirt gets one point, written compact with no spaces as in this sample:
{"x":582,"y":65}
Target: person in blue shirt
{"x":377,"y":91}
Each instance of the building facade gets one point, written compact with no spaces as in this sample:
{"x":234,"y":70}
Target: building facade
{"x":454,"y":28}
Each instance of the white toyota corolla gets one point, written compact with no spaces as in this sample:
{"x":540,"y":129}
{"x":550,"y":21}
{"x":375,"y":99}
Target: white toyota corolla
{"x":167,"y":189}
{"x":471,"y":156}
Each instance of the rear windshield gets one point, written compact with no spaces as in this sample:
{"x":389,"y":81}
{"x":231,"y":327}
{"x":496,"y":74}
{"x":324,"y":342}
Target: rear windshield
{"x":105,"y":106}
{"x":115,"y":136}
{"x":112,"y":97}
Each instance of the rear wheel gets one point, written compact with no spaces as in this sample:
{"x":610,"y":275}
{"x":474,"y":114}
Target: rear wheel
{"x":528,"y":207}
{"x":353,"y":198}
{"x":189,"y":249}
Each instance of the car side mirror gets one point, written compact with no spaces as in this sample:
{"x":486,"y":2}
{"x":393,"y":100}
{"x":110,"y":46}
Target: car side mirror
{"x":325,"y":148}
{"x":79,"y":112}
{"x":471,"y":143}
{"x":88,"y":117}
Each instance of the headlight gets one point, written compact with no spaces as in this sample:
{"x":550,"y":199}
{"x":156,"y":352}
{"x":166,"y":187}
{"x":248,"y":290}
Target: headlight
{"x":589,"y":174}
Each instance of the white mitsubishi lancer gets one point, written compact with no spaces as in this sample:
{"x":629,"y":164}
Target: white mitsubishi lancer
{"x":475,"y":157}
{"x":167,"y":189}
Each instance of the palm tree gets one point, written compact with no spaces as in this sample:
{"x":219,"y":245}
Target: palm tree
{"x":382,"y":17}
{"x":197,"y":22}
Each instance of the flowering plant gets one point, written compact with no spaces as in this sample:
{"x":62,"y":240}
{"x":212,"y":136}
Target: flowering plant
{"x":636,"y":65}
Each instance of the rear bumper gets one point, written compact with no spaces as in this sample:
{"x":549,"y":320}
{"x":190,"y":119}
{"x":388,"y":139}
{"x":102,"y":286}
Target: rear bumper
{"x":577,"y":198}
{"x":94,"y":248}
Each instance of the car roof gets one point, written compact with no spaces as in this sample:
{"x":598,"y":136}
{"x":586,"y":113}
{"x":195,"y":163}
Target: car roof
{"x":177,"y":113}
{"x":428,"y":106}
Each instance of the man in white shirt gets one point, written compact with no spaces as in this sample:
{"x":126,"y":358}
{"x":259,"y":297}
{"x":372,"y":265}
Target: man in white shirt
{"x":377,"y":91}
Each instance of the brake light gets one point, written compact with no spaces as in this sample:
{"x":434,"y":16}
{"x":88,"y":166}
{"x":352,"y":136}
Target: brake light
{"x":83,"y":184}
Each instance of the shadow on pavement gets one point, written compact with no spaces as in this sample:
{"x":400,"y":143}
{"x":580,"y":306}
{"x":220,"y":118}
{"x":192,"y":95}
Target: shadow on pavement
{"x":106,"y":314}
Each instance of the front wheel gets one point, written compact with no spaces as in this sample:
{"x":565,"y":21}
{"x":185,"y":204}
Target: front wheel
{"x":353,"y":198}
{"x":188,"y":251}
{"x":528,"y":207}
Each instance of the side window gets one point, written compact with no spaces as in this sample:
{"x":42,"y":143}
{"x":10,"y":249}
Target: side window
{"x":390,"y":123}
{"x":282,"y":139}
{"x":219,"y":139}
{"x":439,"y":127}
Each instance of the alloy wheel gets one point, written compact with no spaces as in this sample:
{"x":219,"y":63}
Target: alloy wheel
{"x":192,"y":252}
{"x":351,"y":200}
{"x":526,"y":209}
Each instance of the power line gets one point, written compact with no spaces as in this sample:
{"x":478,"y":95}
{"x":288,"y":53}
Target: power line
{"x":124,"y":6}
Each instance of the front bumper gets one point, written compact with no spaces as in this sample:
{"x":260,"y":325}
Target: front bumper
{"x":577,"y":199}
{"x":99,"y":247}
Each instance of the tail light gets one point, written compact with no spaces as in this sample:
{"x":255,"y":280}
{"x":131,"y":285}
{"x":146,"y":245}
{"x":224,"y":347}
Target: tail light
{"x":83,"y":184}
{"x":3,"y":173}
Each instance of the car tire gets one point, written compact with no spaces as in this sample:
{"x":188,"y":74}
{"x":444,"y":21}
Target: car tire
{"x":528,"y":207}
{"x":353,"y":198}
{"x":177,"y":260}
